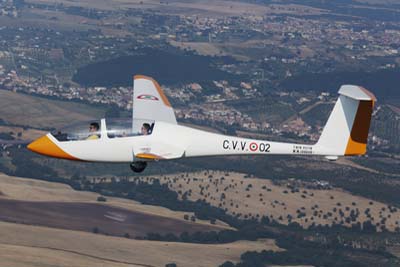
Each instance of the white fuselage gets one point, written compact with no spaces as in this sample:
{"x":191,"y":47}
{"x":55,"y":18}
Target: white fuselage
{"x":169,"y":141}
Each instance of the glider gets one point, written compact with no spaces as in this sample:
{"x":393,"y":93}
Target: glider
{"x":153,"y":134}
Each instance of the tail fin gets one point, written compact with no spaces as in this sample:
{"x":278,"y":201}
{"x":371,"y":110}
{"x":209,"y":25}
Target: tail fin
{"x":346,"y":131}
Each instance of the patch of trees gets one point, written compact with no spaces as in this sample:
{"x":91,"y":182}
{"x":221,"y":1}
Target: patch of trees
{"x":302,"y":252}
{"x":6,"y":136}
{"x":358,"y":182}
{"x":250,"y":232}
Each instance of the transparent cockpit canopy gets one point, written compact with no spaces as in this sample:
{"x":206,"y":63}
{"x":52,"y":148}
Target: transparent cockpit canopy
{"x":115,"y":128}
{"x":128,"y":127}
{"x":87,"y":130}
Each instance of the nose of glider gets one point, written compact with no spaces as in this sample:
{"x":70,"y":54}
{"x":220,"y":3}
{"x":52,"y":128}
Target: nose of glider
{"x":45,"y":146}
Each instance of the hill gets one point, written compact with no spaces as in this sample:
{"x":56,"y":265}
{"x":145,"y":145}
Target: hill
{"x":39,"y":112}
{"x":44,"y":203}
{"x":306,"y":203}
{"x":33,"y":191}
{"x":20,"y":246}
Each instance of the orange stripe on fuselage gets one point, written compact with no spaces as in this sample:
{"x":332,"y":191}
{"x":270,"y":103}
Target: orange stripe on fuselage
{"x":148,"y":156}
{"x":357,"y":144}
{"x":45,"y":146}
{"x":157,"y":86}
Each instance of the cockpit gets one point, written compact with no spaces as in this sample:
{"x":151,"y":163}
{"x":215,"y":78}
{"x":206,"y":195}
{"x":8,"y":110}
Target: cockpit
{"x":112,"y":128}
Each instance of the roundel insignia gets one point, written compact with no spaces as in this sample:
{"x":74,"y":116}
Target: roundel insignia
{"x":253,"y":146}
{"x":147,"y":97}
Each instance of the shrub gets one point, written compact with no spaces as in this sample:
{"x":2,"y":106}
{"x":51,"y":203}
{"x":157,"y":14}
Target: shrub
{"x":101,"y":199}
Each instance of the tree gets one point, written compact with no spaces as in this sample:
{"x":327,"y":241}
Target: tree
{"x":101,"y":199}
{"x":227,"y":264}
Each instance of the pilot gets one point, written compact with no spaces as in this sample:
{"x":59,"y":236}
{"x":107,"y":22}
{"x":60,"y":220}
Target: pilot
{"x":93,"y":130}
{"x":145,"y":129}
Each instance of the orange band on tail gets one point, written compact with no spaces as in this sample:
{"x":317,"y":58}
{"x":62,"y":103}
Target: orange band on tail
{"x":357,"y":144}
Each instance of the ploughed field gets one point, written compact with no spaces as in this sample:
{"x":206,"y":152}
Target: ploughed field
{"x":33,"y":202}
{"x":92,"y":217}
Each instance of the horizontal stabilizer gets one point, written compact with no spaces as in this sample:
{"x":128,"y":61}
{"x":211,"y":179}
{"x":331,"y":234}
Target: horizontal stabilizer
{"x":356,"y":92}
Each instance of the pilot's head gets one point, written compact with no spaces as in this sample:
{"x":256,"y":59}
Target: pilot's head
{"x":94,"y":127}
{"x":145,"y":128}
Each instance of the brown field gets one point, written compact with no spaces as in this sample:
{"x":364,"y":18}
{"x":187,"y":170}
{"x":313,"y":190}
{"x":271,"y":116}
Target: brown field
{"x":219,"y":6}
{"x":208,"y":7}
{"x":255,"y":198}
{"x":43,"y":112}
{"x":33,"y":256}
{"x":22,"y":189}
{"x":87,"y":216}
{"x":23,"y":245}
{"x":36,"y":190}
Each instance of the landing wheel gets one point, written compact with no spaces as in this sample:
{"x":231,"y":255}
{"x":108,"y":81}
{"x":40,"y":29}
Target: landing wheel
{"x":138,"y":166}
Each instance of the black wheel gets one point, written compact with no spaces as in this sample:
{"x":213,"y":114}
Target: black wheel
{"x":138,"y":166}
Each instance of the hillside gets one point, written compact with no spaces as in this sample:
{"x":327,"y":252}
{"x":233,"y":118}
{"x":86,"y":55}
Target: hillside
{"x":22,"y":194}
{"x":73,"y":248}
{"x":59,"y":247}
{"x":307,"y":203}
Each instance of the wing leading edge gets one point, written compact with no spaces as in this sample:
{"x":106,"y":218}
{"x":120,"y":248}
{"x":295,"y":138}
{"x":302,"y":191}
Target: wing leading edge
{"x":150,"y":102}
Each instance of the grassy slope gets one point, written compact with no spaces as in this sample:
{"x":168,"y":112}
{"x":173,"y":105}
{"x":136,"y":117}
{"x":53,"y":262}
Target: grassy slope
{"x":246,"y":196}
{"x":88,"y":246}
{"x":21,"y":109}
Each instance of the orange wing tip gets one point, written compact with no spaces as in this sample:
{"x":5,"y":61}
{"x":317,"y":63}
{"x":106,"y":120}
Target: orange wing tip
{"x":148,"y":156}
{"x":139,"y":76}
{"x":45,"y":146}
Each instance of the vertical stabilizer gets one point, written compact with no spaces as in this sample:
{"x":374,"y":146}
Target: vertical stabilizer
{"x":346,"y":131}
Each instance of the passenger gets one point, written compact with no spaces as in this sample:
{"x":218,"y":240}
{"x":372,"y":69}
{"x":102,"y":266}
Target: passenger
{"x":94,"y":131}
{"x":145,"y":129}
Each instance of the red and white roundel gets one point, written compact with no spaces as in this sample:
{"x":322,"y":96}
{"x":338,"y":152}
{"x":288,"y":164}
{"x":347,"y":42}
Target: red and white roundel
{"x":148,"y":97}
{"x":253,"y":146}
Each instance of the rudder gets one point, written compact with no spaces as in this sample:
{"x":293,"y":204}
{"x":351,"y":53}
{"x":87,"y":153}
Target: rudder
{"x":346,"y":131}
